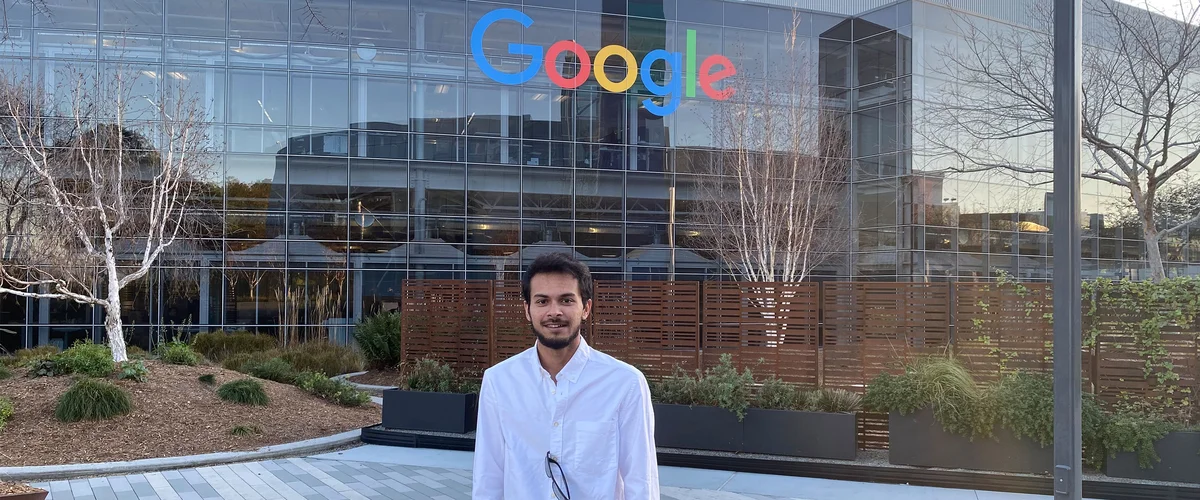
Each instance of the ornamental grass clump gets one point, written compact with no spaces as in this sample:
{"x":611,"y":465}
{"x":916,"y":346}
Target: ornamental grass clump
{"x":92,"y":399}
{"x":942,"y":384}
{"x":245,"y":391}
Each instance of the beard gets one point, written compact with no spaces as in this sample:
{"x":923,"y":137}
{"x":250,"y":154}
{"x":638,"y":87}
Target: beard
{"x":556,"y":343}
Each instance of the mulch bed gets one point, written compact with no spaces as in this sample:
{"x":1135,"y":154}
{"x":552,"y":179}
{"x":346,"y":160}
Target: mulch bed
{"x":173,"y":414}
{"x":17,"y":489}
{"x":378,"y":377}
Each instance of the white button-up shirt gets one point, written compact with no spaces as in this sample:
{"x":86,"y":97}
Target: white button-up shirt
{"x":597,"y":422}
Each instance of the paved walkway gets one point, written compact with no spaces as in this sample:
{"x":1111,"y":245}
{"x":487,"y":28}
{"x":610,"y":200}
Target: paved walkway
{"x":380,"y":472}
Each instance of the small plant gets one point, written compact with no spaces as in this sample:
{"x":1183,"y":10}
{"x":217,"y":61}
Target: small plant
{"x":135,"y":352}
{"x":177,"y":353}
{"x":26,"y":357}
{"x":6,"y":411}
{"x":87,"y":359}
{"x":245,"y":391}
{"x":275,"y":369}
{"x":134,"y":370}
{"x":43,"y":368}
{"x":942,"y":384}
{"x":1136,"y":432}
{"x":5,"y":372}
{"x":429,"y":374}
{"x":245,"y":430}
{"x":775,"y":394}
{"x":220,"y":345}
{"x":242,"y":361}
{"x":323,"y":357}
{"x":379,"y":338}
{"x":720,"y":386}
{"x":337,"y":391}
{"x":9,"y":361}
{"x":207,"y":379}
{"x":92,"y":399}
{"x":838,"y":401}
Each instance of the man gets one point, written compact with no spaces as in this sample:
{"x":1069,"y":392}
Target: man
{"x":562,"y":420}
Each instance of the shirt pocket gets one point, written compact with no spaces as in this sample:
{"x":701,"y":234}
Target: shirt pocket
{"x":595,"y":447}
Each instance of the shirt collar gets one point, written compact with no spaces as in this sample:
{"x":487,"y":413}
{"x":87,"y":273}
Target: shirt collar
{"x":573,"y":368}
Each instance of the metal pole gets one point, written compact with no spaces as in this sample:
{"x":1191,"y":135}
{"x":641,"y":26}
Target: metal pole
{"x":1068,"y":337}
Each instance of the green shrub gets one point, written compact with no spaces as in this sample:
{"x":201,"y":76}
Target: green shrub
{"x":6,"y":411}
{"x":178,"y":353}
{"x":323,"y":357}
{"x":379,"y":339}
{"x":43,"y":368}
{"x":5,"y":372}
{"x":720,"y":386}
{"x":87,"y":359}
{"x":242,"y":361}
{"x":1136,"y":432}
{"x":337,"y":391}
{"x":220,"y":345}
{"x":429,"y":374}
{"x":775,"y":394}
{"x":275,"y":369}
{"x":207,"y":379}
{"x":27,"y":357}
{"x":9,"y":361}
{"x":245,"y":391}
{"x":92,"y":399}
{"x":245,"y":430}
{"x":134,"y":370}
{"x":135,"y":352}
{"x":942,"y":384}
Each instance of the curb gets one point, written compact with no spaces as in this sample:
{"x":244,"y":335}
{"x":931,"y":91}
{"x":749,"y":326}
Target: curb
{"x":54,"y":472}
{"x":345,"y":377}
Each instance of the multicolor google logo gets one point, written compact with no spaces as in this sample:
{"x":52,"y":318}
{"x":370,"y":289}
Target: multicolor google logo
{"x":713,"y":69}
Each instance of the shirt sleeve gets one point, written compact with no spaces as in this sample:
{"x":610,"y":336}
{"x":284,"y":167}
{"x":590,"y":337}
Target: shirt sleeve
{"x":638,"y":456}
{"x":488,"y":471}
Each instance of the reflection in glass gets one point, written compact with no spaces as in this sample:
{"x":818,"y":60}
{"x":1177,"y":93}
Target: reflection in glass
{"x":320,"y":100}
{"x":249,"y":19}
{"x":317,"y":184}
{"x":493,"y":191}
{"x":546,"y":193}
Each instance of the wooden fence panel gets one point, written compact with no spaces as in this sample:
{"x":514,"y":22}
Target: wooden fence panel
{"x":775,"y":324}
{"x":448,"y":319}
{"x":652,"y":325}
{"x":1001,"y":329}
{"x":872,"y":327}
{"x":511,"y":333}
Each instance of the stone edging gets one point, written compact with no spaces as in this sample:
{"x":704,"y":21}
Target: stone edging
{"x":362,"y":387}
{"x":56,"y":472}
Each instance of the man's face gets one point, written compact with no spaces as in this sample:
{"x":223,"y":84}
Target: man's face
{"x":555,"y":309}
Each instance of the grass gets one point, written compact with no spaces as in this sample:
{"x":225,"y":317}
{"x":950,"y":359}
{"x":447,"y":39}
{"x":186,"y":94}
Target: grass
{"x":220,"y":345}
{"x":275,"y":369}
{"x":6,"y":411}
{"x":245,"y":430}
{"x":178,"y":353}
{"x":207,"y":379}
{"x":245,"y":391}
{"x":91,"y":399}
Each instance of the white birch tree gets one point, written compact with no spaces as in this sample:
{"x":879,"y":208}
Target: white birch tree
{"x":101,"y":176}
{"x":776,"y":195}
{"x":1141,"y":104}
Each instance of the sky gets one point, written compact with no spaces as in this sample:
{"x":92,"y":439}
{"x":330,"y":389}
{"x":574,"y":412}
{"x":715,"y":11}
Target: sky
{"x":1169,"y":7}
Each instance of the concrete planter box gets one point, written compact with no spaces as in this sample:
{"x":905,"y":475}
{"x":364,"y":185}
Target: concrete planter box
{"x":919,"y":440}
{"x":39,"y":495}
{"x":696,"y":428}
{"x":801,"y":434}
{"x":430,"y":411}
{"x":1180,"y":460}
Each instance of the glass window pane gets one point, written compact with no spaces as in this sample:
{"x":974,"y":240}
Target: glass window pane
{"x":379,"y":103}
{"x":255,"y":181}
{"x":493,"y":237}
{"x":253,"y":139}
{"x":372,"y":144}
{"x":196,"y":17}
{"x":260,"y":19}
{"x":493,"y":191}
{"x":379,"y":60}
{"x":546,"y":193}
{"x":331,"y":58}
{"x":493,"y":111}
{"x":324,"y":21}
{"x":132,"y":48}
{"x":204,"y":85}
{"x":598,"y":195}
{"x":318,"y":142}
{"x":254,"y":54}
{"x":443,"y":28}
{"x":131,"y":16}
{"x":196,"y":51}
{"x":437,"y":107}
{"x":534,"y":232}
{"x":67,"y":14}
{"x":490,"y":150}
{"x":64,"y":45}
{"x":648,"y":197}
{"x":320,"y":100}
{"x":444,"y":148}
{"x":261,"y":97}
{"x":382,"y":23}
{"x":378,"y":186}
{"x":438,"y":189}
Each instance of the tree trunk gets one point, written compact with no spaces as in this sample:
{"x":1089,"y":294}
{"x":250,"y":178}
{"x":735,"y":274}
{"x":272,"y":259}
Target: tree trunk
{"x":1154,"y":254}
{"x":112,"y":321}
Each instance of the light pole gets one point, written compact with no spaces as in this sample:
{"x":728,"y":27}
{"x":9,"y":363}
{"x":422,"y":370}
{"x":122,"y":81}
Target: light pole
{"x":1068,"y":336}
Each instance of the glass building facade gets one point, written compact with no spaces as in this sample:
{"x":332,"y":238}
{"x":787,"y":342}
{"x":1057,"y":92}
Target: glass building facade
{"x":362,"y":146}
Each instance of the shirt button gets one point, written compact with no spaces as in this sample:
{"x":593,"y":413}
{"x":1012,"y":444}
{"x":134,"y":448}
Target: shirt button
{"x":556,"y":424}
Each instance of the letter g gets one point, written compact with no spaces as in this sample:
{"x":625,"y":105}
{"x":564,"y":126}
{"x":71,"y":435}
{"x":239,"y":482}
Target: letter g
{"x":533,"y":51}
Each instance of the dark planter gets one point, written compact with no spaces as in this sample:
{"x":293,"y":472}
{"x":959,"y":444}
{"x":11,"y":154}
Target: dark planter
{"x":800,"y":434}
{"x":430,"y":411}
{"x":696,"y":428}
{"x":1180,"y":460}
{"x":40,"y":495}
{"x":919,"y":440}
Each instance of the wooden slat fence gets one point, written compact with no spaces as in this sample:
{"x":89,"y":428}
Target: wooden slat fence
{"x":833,"y":334}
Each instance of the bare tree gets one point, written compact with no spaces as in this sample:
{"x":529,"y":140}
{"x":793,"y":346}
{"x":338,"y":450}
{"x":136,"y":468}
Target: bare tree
{"x":101,"y":178}
{"x":1141,"y":104}
{"x":775,"y":197}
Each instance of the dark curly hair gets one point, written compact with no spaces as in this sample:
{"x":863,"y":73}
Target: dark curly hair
{"x":559,"y":263}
